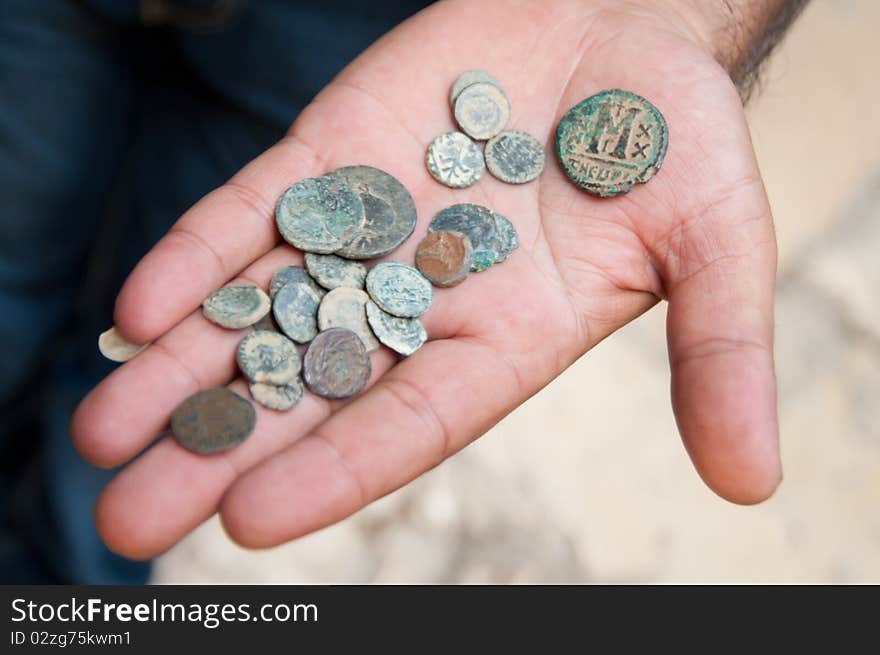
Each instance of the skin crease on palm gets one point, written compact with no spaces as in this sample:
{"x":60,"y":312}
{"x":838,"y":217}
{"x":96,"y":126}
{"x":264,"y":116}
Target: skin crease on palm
{"x":699,"y":235}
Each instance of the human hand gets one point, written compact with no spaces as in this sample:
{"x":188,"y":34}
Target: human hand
{"x":699,"y":235}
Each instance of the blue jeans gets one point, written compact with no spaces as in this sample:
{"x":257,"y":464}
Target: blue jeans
{"x":115,"y":117}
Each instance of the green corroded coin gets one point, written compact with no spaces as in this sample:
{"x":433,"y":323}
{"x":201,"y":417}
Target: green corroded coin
{"x":213,"y":420}
{"x":278,"y":397}
{"x":482,"y":110}
{"x":399,"y":289}
{"x":466,"y":79}
{"x":336,"y":364}
{"x":389,"y":212}
{"x":514,"y":156}
{"x":507,"y":240}
{"x":290,"y":274}
{"x":478,"y":223}
{"x":402,"y":335}
{"x":319,"y":214}
{"x":265,"y":356}
{"x":296,"y":309}
{"x":236,"y":307}
{"x":344,"y":307}
{"x":331,"y":271}
{"x":454,"y":160}
{"x":611,"y":141}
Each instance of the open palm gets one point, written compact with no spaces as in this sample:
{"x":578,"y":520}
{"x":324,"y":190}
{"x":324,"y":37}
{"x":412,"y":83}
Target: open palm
{"x":699,"y":234}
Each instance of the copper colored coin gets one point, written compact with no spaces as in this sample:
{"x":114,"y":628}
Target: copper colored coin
{"x":336,"y":365}
{"x":445,"y":258}
{"x":213,"y":420}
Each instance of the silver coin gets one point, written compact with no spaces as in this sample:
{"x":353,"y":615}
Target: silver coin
{"x":482,"y":110}
{"x":265,"y":356}
{"x":296,"y":309}
{"x":402,"y":335}
{"x":454,"y":160}
{"x":114,"y":347}
{"x":336,"y":364}
{"x":344,"y":307}
{"x":514,"y":156}
{"x":278,"y":397}
{"x":399,"y":289}
{"x":478,"y":223}
{"x":290,"y":274}
{"x":236,"y":307}
{"x":466,"y":79}
{"x":319,"y":214}
{"x":213,"y":420}
{"x":389,"y":212}
{"x":331,"y":271}
{"x":507,"y":240}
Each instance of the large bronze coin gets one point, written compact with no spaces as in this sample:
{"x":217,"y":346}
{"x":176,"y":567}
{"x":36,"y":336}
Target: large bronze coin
{"x":213,"y":420}
{"x":336,"y":364}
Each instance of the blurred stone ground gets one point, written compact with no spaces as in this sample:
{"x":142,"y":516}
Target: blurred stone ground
{"x":588,"y":482}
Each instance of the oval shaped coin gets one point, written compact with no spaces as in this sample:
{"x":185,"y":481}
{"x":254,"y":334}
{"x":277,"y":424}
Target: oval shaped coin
{"x":478,"y":223}
{"x":280,"y":397}
{"x":389,"y":212}
{"x":236,"y":307}
{"x":514,"y":156}
{"x":319,"y":214}
{"x":507,"y":240}
{"x":296,"y":311}
{"x":336,"y":364}
{"x":331,"y":271}
{"x":399,"y":289}
{"x":466,"y":79}
{"x":445,"y":258}
{"x":213,"y":420}
{"x":454,"y":160}
{"x":611,"y":141}
{"x":482,"y":110}
{"x":290,"y":274}
{"x":402,"y":335}
{"x":266,"y":356}
{"x":114,"y":347}
{"x":344,"y":307}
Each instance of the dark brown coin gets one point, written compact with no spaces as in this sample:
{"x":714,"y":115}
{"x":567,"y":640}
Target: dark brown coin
{"x":445,"y":258}
{"x":213,"y":420}
{"x":336,"y":365}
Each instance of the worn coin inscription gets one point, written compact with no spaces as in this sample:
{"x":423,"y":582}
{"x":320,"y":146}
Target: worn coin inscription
{"x":389,"y":212}
{"x":514,"y":156}
{"x":506,"y":238}
{"x":344,"y":307}
{"x":402,"y":335}
{"x":265,"y":356}
{"x":466,"y":79}
{"x":611,"y":141}
{"x":331,"y":271}
{"x":445,"y":258}
{"x":296,"y":309}
{"x":336,"y":364}
{"x":213,"y":420}
{"x":478,"y":223}
{"x":319,"y":214}
{"x":482,"y":110}
{"x":236,"y":307}
{"x":399,"y":289}
{"x":454,"y":160}
{"x":114,"y":347}
{"x":278,"y":397}
{"x":290,"y":274}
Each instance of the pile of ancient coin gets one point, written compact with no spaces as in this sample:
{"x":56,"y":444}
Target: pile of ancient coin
{"x":482,"y":110}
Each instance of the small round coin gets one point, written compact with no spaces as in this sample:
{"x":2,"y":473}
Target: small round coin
{"x":445,"y":258}
{"x":466,"y":79}
{"x":236,"y":307}
{"x":265,"y":356}
{"x":331,"y":271}
{"x":114,"y":347}
{"x":344,"y":307}
{"x":402,"y":335}
{"x":514,"y":156}
{"x":280,"y":397}
{"x":213,"y":420}
{"x":290,"y":274}
{"x":454,"y":160}
{"x":319,"y":214}
{"x":507,"y":240}
{"x":296,"y":309}
{"x":399,"y":289}
{"x":336,"y":364}
{"x":389,"y":212}
{"x":482,"y":110}
{"x":611,"y":141}
{"x":478,"y":223}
